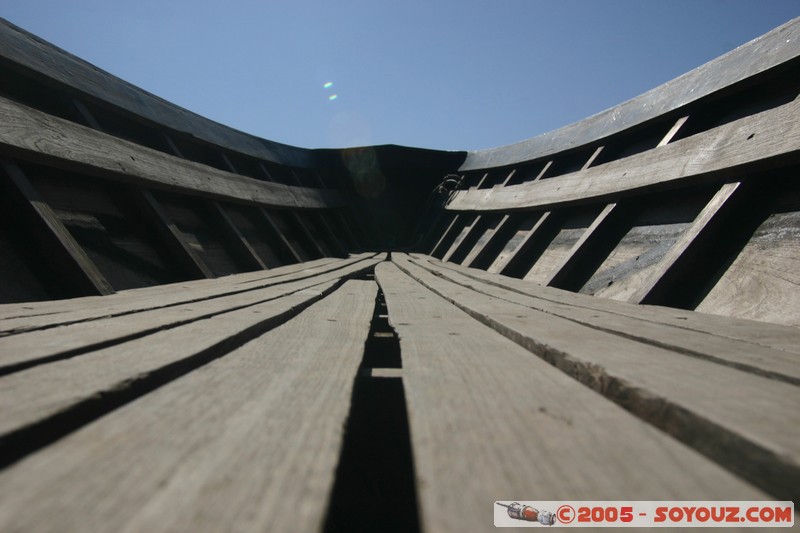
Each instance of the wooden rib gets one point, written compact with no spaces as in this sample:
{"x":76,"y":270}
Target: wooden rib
{"x":33,"y":135}
{"x":758,"y":142}
{"x":715,"y":409}
{"x":271,"y":432}
{"x":474,"y":395}
{"x":171,"y":235}
{"x":65,"y":254}
{"x":501,"y":264}
{"x":544,"y":170}
{"x":592,"y":157}
{"x":275,"y":230}
{"x":333,"y":239}
{"x":715,"y":208}
{"x":580,"y":247}
{"x":508,"y":178}
{"x":673,"y":130}
{"x":446,"y":233}
{"x":237,"y":239}
{"x":478,"y":249}
{"x":461,"y":237}
{"x":316,"y":249}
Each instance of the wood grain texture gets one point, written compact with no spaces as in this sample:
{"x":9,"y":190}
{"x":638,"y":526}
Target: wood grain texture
{"x":746,"y":61}
{"x":22,"y":48}
{"x":55,"y":390}
{"x":59,"y":342}
{"x":16,"y":318}
{"x":525,"y":232}
{"x":760,"y":360}
{"x":566,"y":235}
{"x":775,"y":336}
{"x":763,"y":282}
{"x":493,"y":224}
{"x":702,"y":225}
{"x":764,"y":140}
{"x":181,"y":458}
{"x":469,"y":224}
{"x":480,"y":406}
{"x":573,"y":256}
{"x":33,"y":135}
{"x":735,"y":418}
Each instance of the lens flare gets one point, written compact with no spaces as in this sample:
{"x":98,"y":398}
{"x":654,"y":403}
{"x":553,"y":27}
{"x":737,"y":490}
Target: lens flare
{"x":328,"y":85}
{"x":333,"y":97}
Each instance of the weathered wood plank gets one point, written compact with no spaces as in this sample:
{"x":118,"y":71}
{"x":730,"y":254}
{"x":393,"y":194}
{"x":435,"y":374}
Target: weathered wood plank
{"x":33,"y":135}
{"x":570,"y":260}
{"x":761,"y":360}
{"x":764,"y":140}
{"x":504,"y":262}
{"x":67,"y":256}
{"x":462,"y":236}
{"x":763,"y":282}
{"x":32,"y":53}
{"x":694,"y":236}
{"x":447,"y":235}
{"x":32,"y":399}
{"x":673,"y":130}
{"x":747,"y":423}
{"x":16,"y":318}
{"x":475,"y":397}
{"x":485,"y":240}
{"x":270,"y":434}
{"x":36,"y":347}
{"x":747,"y":61}
{"x":756,"y":333}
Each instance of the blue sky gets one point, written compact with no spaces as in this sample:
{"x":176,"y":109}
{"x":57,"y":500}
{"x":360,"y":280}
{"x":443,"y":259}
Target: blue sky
{"x":449,"y":75}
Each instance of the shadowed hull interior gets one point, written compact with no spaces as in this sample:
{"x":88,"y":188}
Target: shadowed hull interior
{"x":204,"y":330}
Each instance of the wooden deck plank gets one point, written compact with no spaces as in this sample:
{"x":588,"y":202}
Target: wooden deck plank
{"x":762,"y":141}
{"x":33,"y":135}
{"x":757,"y":333}
{"x":184,"y":459}
{"x":32,"y":398}
{"x":17,"y":318}
{"x":44,"y":345}
{"x":760,"y":360}
{"x":748,"y":423}
{"x":489,"y":420}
